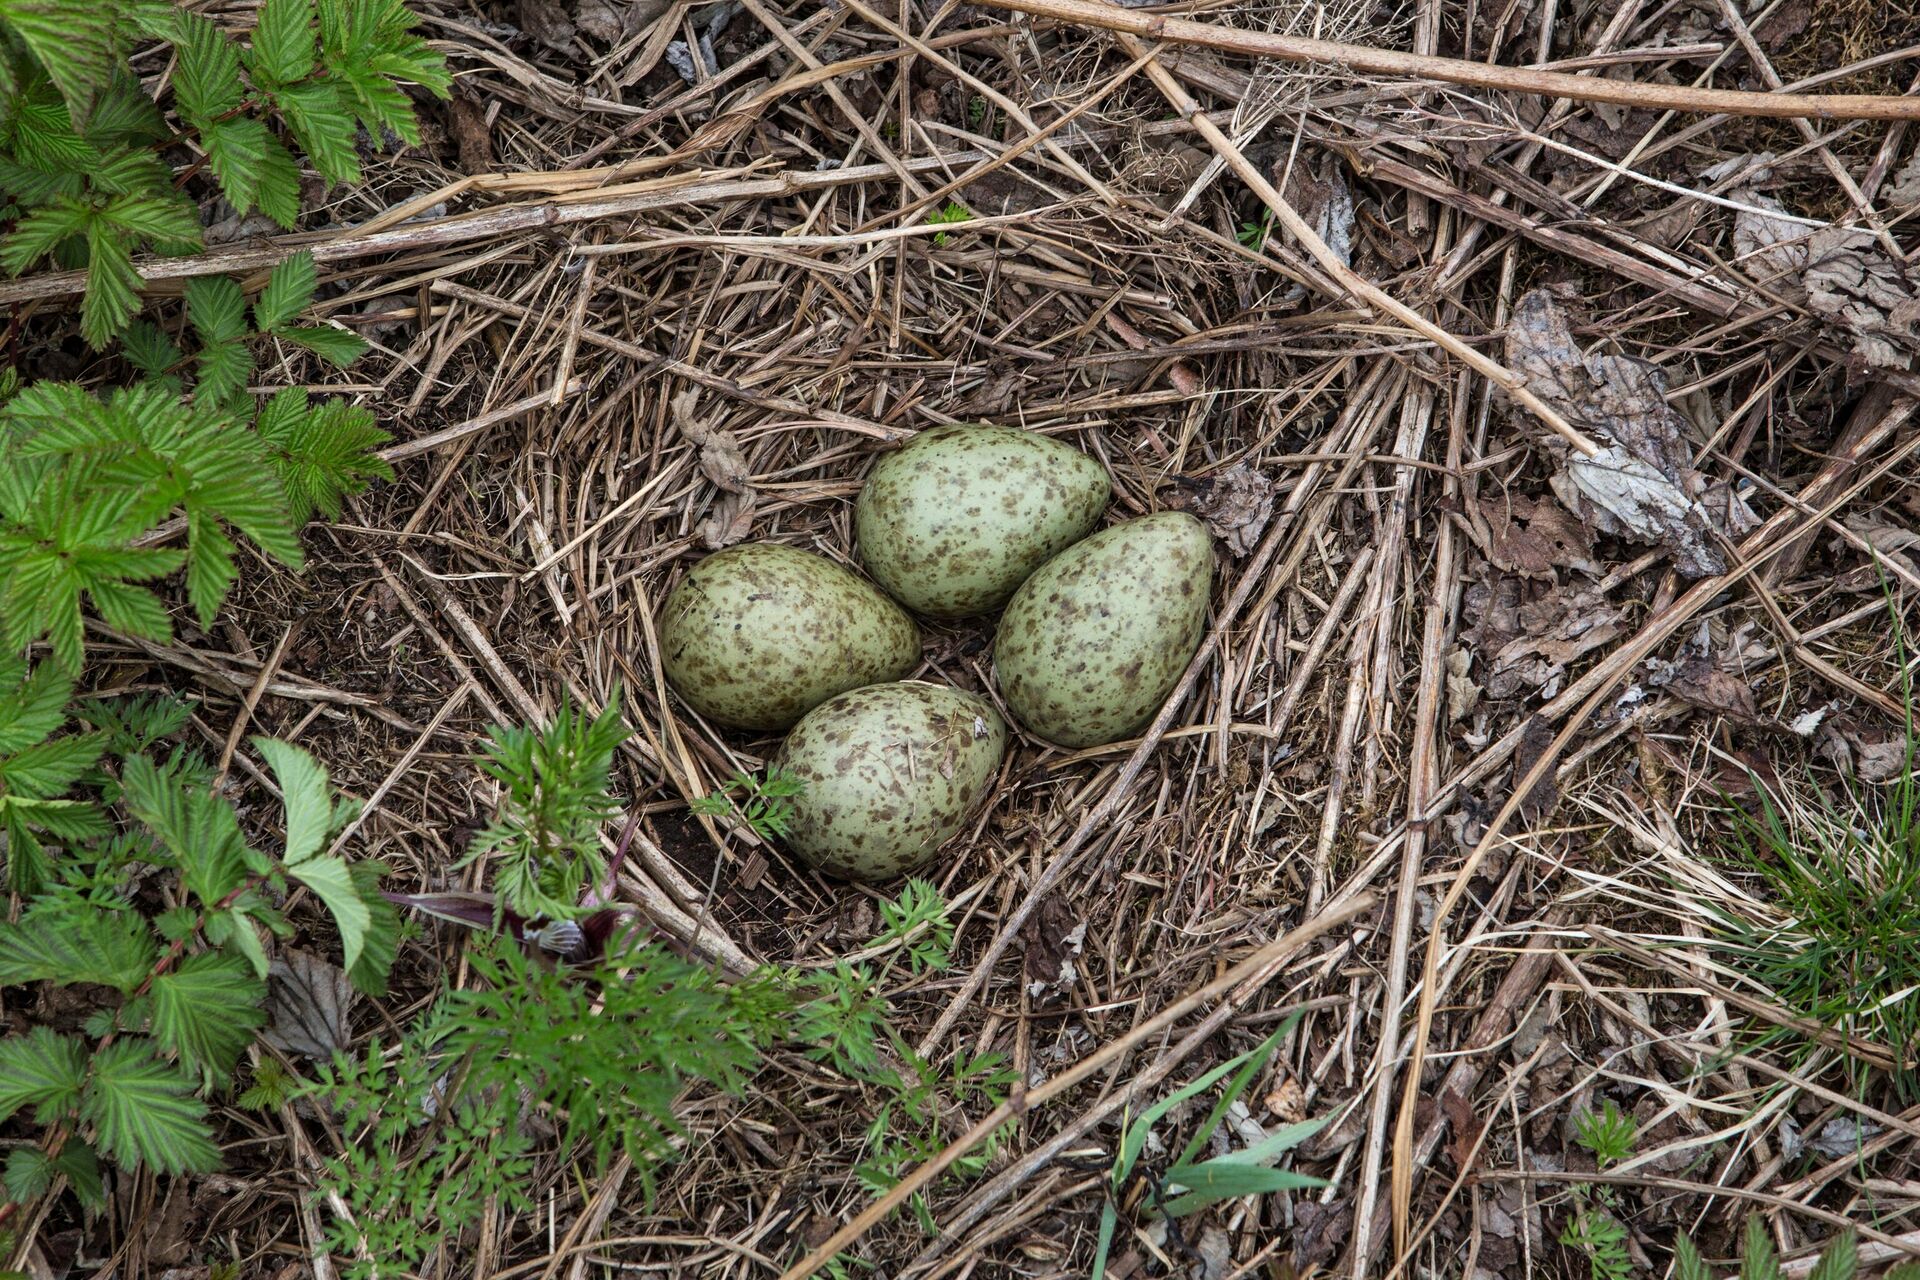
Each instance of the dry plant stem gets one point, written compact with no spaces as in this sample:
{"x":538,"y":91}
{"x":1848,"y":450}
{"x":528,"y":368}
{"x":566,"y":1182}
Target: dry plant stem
{"x":1349,"y":280}
{"x":1481,"y":75}
{"x":1772,"y":538}
{"x":1248,"y":976}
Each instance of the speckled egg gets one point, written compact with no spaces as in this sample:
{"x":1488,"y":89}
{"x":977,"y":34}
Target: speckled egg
{"x":1097,"y":638}
{"x":953,"y":521}
{"x":891,"y":772}
{"x":758,"y":635}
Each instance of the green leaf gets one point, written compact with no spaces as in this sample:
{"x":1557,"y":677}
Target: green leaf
{"x":35,"y":235}
{"x":221,"y":371}
{"x":82,"y":1169}
{"x":1218,"y":1180}
{"x":130,"y":610}
{"x":113,"y":287}
{"x":74,"y":41}
{"x":217,"y":309}
{"x":206,"y":1009}
{"x":338,"y":347}
{"x":148,"y":349}
{"x":197,"y":828}
{"x":45,"y":769}
{"x":143,"y":1111}
{"x":207,"y":84}
{"x":382,"y":944}
{"x":170,"y":219}
{"x":283,"y":44}
{"x":44,"y":1071}
{"x":112,"y":948}
{"x":324,"y":126}
{"x":30,"y":1174}
{"x":332,"y":882}
{"x":278,"y":192}
{"x":289,"y":289}
{"x":210,"y":570}
{"x":1840,"y":1261}
{"x":1760,"y":1261}
{"x":32,"y":710}
{"x":321,"y":454}
{"x":303,"y":788}
{"x":1253,"y":1062}
{"x":240,"y":933}
{"x":237,"y":150}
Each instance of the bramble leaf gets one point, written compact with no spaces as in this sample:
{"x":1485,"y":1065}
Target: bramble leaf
{"x":41,"y":1070}
{"x":144,"y":1112}
{"x":289,"y":289}
{"x":206,"y":1009}
{"x":283,"y":47}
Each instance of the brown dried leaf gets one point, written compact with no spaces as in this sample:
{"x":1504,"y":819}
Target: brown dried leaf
{"x":1319,"y":1230}
{"x":1533,"y":537}
{"x":471,"y":136}
{"x":1533,"y":744}
{"x":1844,"y":275}
{"x":1700,"y":683}
{"x":308,"y":999}
{"x":547,"y":22}
{"x":600,"y":19}
{"x":720,"y":458}
{"x":1052,"y":938}
{"x":1236,"y":504}
{"x":1528,"y":632}
{"x":730,"y":520}
{"x":1317,"y":190}
{"x":1641,"y":484}
{"x":1462,"y":693}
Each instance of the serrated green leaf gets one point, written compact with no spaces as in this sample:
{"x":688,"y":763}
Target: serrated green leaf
{"x":381,"y":946}
{"x":35,"y":235}
{"x":1840,"y":1261}
{"x":143,"y":1111}
{"x":283,"y":42}
{"x":303,"y":789}
{"x":217,"y":309}
{"x":63,"y":819}
{"x":205,"y":1011}
{"x":210,"y":570}
{"x":321,"y":454}
{"x":332,"y":883}
{"x":130,"y":610}
{"x":148,"y":349}
{"x":208,"y":83}
{"x":241,"y":934}
{"x":30,"y":1174}
{"x":28,"y":866}
{"x":74,"y":41}
{"x":197,"y":828}
{"x":170,"y":219}
{"x":338,"y":347}
{"x":277,"y":193}
{"x":52,"y":155}
{"x":81,"y":1166}
{"x":113,"y":287}
{"x":41,"y":1070}
{"x":237,"y":153}
{"x":112,"y":948}
{"x":124,"y":114}
{"x":289,"y":289}
{"x":221,"y":371}
{"x":45,"y":769}
{"x":324,"y":126}
{"x":1759,"y":1261}
{"x":123,"y":170}
{"x":34,"y":708}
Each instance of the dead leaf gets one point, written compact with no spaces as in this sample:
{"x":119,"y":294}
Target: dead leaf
{"x":1904,"y":190}
{"x":1890,"y":542}
{"x":1236,"y":504}
{"x":1052,"y":938}
{"x":1462,"y":693}
{"x":729,"y":522}
{"x":1317,"y":190}
{"x":308,"y":999}
{"x":1642,"y":483}
{"x":1534,"y":741}
{"x":471,"y":136}
{"x":1527,"y":632}
{"x":1319,"y":1230}
{"x":1532,"y":536}
{"x":1287,"y":1101}
{"x":547,"y":22}
{"x":1216,"y":1254}
{"x":1843,"y":274}
{"x":600,"y":19}
{"x":1868,"y":752}
{"x":1700,"y":683}
{"x":720,"y":458}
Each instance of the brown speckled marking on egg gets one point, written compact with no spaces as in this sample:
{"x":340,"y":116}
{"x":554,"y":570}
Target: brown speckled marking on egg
{"x":890,"y":774}
{"x":758,"y":635}
{"x":954,"y":520}
{"x":1094,"y":642}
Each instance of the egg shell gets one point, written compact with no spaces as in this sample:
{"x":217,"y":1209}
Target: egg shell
{"x":890,"y":773}
{"x":952,"y":522}
{"x":759,"y":634}
{"x":1092,"y":644}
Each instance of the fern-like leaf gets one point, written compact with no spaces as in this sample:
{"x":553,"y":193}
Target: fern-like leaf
{"x":143,"y":1111}
{"x":283,"y":45}
{"x":112,"y":948}
{"x":205,"y":1011}
{"x":44,"y":1071}
{"x":321,"y":454}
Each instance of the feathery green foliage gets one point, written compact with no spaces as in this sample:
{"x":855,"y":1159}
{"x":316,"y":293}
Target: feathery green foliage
{"x":1608,"y":1135}
{"x":82,"y":174}
{"x":1760,"y":1261}
{"x":436,"y":1124}
{"x":763,"y":802}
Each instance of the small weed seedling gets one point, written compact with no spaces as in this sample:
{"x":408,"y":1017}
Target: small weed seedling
{"x":1759,"y":1261}
{"x":1253,"y":235}
{"x":763,"y":803}
{"x":1608,"y":1135}
{"x":1187,"y":1187}
{"x":951,"y":212}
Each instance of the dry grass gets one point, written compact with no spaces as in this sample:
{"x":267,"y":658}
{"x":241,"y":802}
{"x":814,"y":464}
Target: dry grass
{"x":746,"y":240}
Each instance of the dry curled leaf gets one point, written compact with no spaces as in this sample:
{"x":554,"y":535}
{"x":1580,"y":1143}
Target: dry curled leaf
{"x":1541,"y":798}
{"x":1642,"y":483}
{"x":722,"y":462}
{"x":1237,"y":504}
{"x":1842,"y":274}
{"x":1700,"y":683}
{"x":547,"y":22}
{"x":308,"y":999}
{"x":1527,"y":632}
{"x":1532,"y":536}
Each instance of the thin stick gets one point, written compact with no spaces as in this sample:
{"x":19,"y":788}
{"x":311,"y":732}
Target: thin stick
{"x":1392,"y":62}
{"x":1349,"y":280}
{"x":1252,"y":972}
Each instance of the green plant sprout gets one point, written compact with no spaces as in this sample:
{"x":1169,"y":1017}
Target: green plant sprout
{"x":1253,"y":235}
{"x":1608,"y":1135}
{"x":1187,"y":1187}
{"x":763,"y":802}
{"x":951,"y":212}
